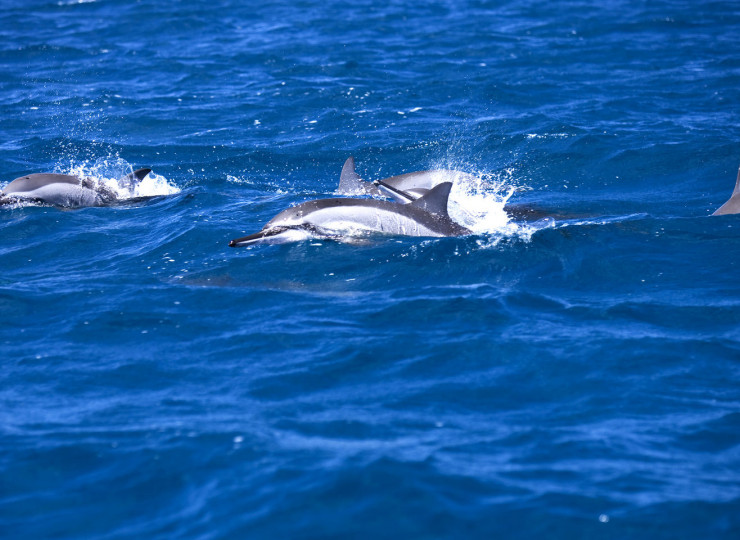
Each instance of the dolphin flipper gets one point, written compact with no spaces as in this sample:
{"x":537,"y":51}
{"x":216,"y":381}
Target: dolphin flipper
{"x":733,"y":205}
{"x":351,"y":183}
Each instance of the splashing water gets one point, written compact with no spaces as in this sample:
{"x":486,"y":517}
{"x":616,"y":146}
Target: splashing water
{"x":111,"y":173}
{"x":478,"y":200}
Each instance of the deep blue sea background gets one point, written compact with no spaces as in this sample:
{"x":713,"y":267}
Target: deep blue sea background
{"x":579,"y":380}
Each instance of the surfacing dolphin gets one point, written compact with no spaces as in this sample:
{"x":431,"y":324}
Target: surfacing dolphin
{"x":64,"y":190}
{"x":732,"y":206}
{"x":403,"y":188}
{"x":408,"y":187}
{"x":333,"y":218}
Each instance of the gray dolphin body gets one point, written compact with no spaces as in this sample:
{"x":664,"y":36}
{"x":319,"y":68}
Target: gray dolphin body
{"x":63,"y":190}
{"x":733,"y":205}
{"x":328,"y":218}
{"x":406,"y":188}
{"x":403,"y":188}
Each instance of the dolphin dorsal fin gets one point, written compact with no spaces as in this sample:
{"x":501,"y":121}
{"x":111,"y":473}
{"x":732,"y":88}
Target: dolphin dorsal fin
{"x":737,"y":184}
{"x":137,"y":175}
{"x":350,"y":181}
{"x":435,"y":200}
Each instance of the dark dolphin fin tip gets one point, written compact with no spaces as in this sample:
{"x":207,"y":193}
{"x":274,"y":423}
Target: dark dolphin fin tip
{"x":435,"y":200}
{"x":137,"y":175}
{"x":140,"y":174}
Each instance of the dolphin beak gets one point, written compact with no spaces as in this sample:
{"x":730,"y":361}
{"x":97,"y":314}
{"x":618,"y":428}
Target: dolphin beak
{"x":256,"y":237}
{"x":246,"y":240}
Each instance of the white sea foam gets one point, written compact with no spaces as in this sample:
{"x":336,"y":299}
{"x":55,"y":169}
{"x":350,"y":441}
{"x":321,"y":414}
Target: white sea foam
{"x":477,"y":202}
{"x":154,"y":184}
{"x":110,"y":173}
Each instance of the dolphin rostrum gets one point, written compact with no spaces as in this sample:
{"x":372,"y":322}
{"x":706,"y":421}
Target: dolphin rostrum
{"x":732,"y":206}
{"x":64,"y":190}
{"x":329,"y":218}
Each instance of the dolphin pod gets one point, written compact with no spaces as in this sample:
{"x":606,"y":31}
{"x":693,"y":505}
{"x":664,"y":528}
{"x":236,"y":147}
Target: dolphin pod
{"x":63,"y":190}
{"x":418,"y":206}
{"x":419,"y":209}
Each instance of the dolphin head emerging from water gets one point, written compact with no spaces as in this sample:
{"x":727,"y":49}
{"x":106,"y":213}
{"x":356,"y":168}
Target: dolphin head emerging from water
{"x":63,"y":190}
{"x":338,"y":218}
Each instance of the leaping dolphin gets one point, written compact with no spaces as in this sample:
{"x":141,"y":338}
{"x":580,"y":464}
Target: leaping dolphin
{"x":328,"y":218}
{"x":63,"y":190}
{"x":732,"y":206}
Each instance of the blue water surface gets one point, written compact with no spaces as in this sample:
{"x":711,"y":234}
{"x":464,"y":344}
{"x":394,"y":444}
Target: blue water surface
{"x":573,"y":380}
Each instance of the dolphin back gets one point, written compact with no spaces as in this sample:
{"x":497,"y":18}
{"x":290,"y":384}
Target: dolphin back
{"x":417,"y":184}
{"x":57,"y":189}
{"x":32,"y":182}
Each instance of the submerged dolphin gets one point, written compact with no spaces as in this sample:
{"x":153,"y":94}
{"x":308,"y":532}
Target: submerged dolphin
{"x":732,"y":206}
{"x":63,"y":189}
{"x":327,"y":218}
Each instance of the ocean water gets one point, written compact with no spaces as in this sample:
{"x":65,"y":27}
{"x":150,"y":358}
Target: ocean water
{"x":578,"y":377}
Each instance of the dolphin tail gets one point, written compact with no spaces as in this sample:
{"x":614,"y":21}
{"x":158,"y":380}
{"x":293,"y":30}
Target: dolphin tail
{"x":435,"y":200}
{"x":732,"y":206}
{"x":351,"y":183}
